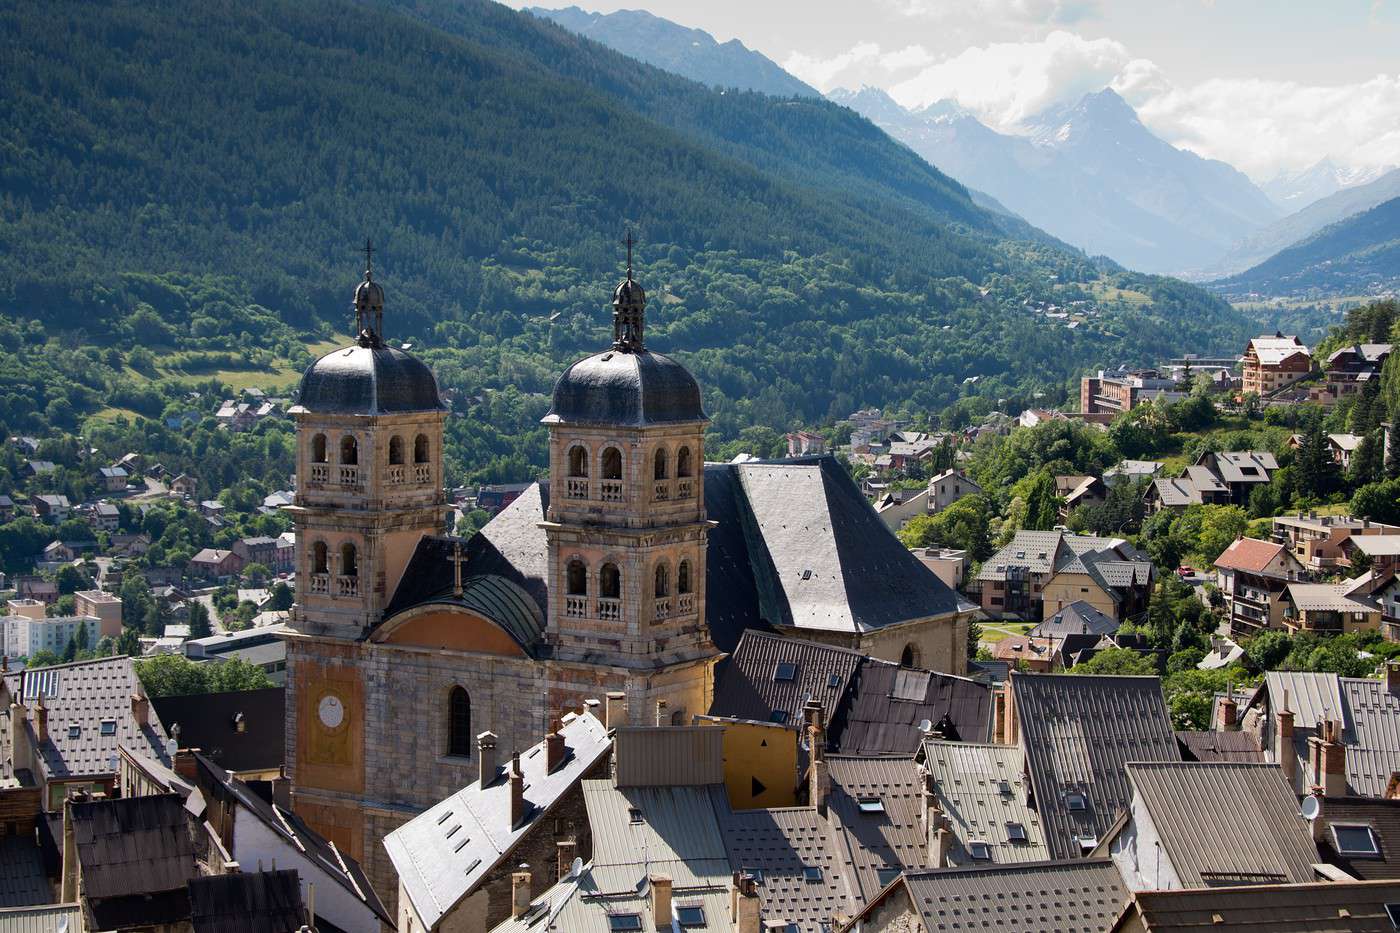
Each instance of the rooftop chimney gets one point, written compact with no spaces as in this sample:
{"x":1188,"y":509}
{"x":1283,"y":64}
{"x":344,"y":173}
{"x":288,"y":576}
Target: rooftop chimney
{"x":553,"y":750}
{"x":1283,"y":745}
{"x":520,"y":891}
{"x":661,"y":718}
{"x":41,"y":719}
{"x":814,"y":720}
{"x":615,"y":710}
{"x":517,"y":791}
{"x":661,"y":900}
{"x":1228,"y":719}
{"x":819,"y":781}
{"x":486,"y":758}
{"x":1392,"y":677}
{"x":744,"y":904}
{"x":140,"y":705}
{"x":1329,"y":759}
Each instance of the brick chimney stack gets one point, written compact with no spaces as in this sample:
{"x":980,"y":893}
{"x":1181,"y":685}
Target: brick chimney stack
{"x":661,"y":900}
{"x":140,"y":705}
{"x":41,"y":718}
{"x":1228,"y":719}
{"x":520,"y":891}
{"x":1329,"y":759}
{"x":1392,"y":677}
{"x":615,"y":710}
{"x":553,"y":749}
{"x":814,"y":722}
{"x":517,"y":791}
{"x":1283,"y":744}
{"x":486,"y":758}
{"x":744,"y":904}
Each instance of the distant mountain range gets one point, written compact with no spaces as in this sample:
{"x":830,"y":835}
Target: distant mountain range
{"x":1294,"y":191}
{"x":1089,"y":173}
{"x":1356,"y":256}
{"x":690,"y":53}
{"x":1281,"y":234}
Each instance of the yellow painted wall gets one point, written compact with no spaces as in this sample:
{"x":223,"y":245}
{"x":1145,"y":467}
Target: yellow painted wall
{"x":1065,"y":588}
{"x":766,"y":752}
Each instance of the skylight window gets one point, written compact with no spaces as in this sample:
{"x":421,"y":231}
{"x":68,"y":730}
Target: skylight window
{"x":1355,"y":840}
{"x":980,"y":851}
{"x":812,"y":873}
{"x":785,"y":671}
{"x":1004,"y":788}
{"x":886,"y":874}
{"x":634,"y":815}
{"x":871,"y":805}
{"x":109,"y":727}
{"x":779,"y":716}
{"x":1075,"y":801}
{"x":834,"y":680}
{"x":621,"y":923}
{"x":75,"y":732}
{"x":691,"y":916}
{"x":1016,"y":832}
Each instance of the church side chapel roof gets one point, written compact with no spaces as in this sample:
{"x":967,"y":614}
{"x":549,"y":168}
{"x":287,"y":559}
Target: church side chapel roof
{"x":796,"y":544}
{"x":445,"y":852}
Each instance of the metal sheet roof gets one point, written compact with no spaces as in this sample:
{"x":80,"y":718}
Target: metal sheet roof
{"x":246,"y":902}
{"x":1078,"y":731}
{"x":885,"y":705}
{"x":46,"y":918}
{"x":1038,"y":897}
{"x":1326,"y":907}
{"x":209,"y":722}
{"x":1383,"y":818}
{"x":22,"y":880}
{"x":668,"y":755}
{"x":1312,"y":697}
{"x":868,"y":841}
{"x":1223,"y":822}
{"x":133,"y":845}
{"x":983,"y":789}
{"x":778,"y":845}
{"x":444,"y":852}
{"x":584,"y":903}
{"x":1373,"y":745}
{"x":749,"y":688}
{"x":1218,"y":746}
{"x":673,"y":829}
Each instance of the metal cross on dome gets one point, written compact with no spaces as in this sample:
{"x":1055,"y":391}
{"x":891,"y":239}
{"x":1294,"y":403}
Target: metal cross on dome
{"x":457,"y":561}
{"x":369,"y":254}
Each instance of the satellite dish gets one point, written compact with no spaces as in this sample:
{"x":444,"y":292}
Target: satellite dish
{"x":925,"y":725}
{"x":1310,"y":809}
{"x":576,"y":867}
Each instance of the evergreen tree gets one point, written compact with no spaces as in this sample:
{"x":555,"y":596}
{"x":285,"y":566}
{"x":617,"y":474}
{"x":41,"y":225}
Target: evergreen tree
{"x":1314,"y":470}
{"x":199,"y":620}
{"x":1042,"y":505}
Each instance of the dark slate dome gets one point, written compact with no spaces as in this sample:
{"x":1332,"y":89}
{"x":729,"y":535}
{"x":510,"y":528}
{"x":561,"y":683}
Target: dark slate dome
{"x":368,"y":380}
{"x":626,"y":389}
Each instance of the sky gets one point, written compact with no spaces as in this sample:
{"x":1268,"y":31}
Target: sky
{"x":1270,"y":87}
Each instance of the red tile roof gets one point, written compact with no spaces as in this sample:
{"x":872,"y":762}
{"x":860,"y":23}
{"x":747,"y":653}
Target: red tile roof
{"x":1249,"y":554}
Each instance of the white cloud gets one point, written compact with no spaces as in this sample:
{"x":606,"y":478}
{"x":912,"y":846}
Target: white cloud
{"x":999,"y":12}
{"x":1004,"y":83}
{"x":862,"y":63}
{"x":1267,"y":127}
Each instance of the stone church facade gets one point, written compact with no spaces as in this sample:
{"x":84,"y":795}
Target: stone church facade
{"x":407,"y":643}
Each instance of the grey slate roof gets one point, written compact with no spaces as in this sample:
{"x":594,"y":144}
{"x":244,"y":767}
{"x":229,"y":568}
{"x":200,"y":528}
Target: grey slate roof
{"x":1078,"y":731}
{"x":749,"y":689}
{"x":360,"y":380}
{"x":871,"y":841}
{"x":777,"y":845}
{"x":885,"y":705}
{"x":208,"y":722}
{"x":1038,"y":897}
{"x":293,"y":830}
{"x":1078,"y":618}
{"x":627,"y":389}
{"x":968,"y":781}
{"x":22,"y":880}
{"x":777,"y":522}
{"x":1210,"y":745}
{"x":247,"y":902}
{"x":437,"y":871}
{"x":1383,"y":818}
{"x":81,"y":696}
{"x":1113,"y":562}
{"x":1225,"y":822}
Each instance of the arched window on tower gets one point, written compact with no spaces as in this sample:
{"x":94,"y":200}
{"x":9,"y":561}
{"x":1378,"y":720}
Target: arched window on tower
{"x":663,"y":580}
{"x":610,"y":582}
{"x":420,"y":449}
{"x":349,"y":451}
{"x":578,"y":461}
{"x":577,"y":582}
{"x":349,"y":562}
{"x":395,"y":451}
{"x":459,"y":722}
{"x":659,"y":461}
{"x":683,"y":577}
{"x":612,"y":463}
{"x":320,"y":560}
{"x":683,"y":466}
{"x":318,"y":449}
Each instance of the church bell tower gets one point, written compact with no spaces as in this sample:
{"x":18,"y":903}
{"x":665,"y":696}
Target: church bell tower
{"x":626,"y":521}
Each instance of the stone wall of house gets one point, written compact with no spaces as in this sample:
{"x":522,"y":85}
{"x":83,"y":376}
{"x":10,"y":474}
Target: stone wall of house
{"x":893,"y":915}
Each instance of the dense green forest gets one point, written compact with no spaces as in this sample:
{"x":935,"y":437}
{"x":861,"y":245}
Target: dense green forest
{"x":1353,"y":256}
{"x":182,"y":188}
